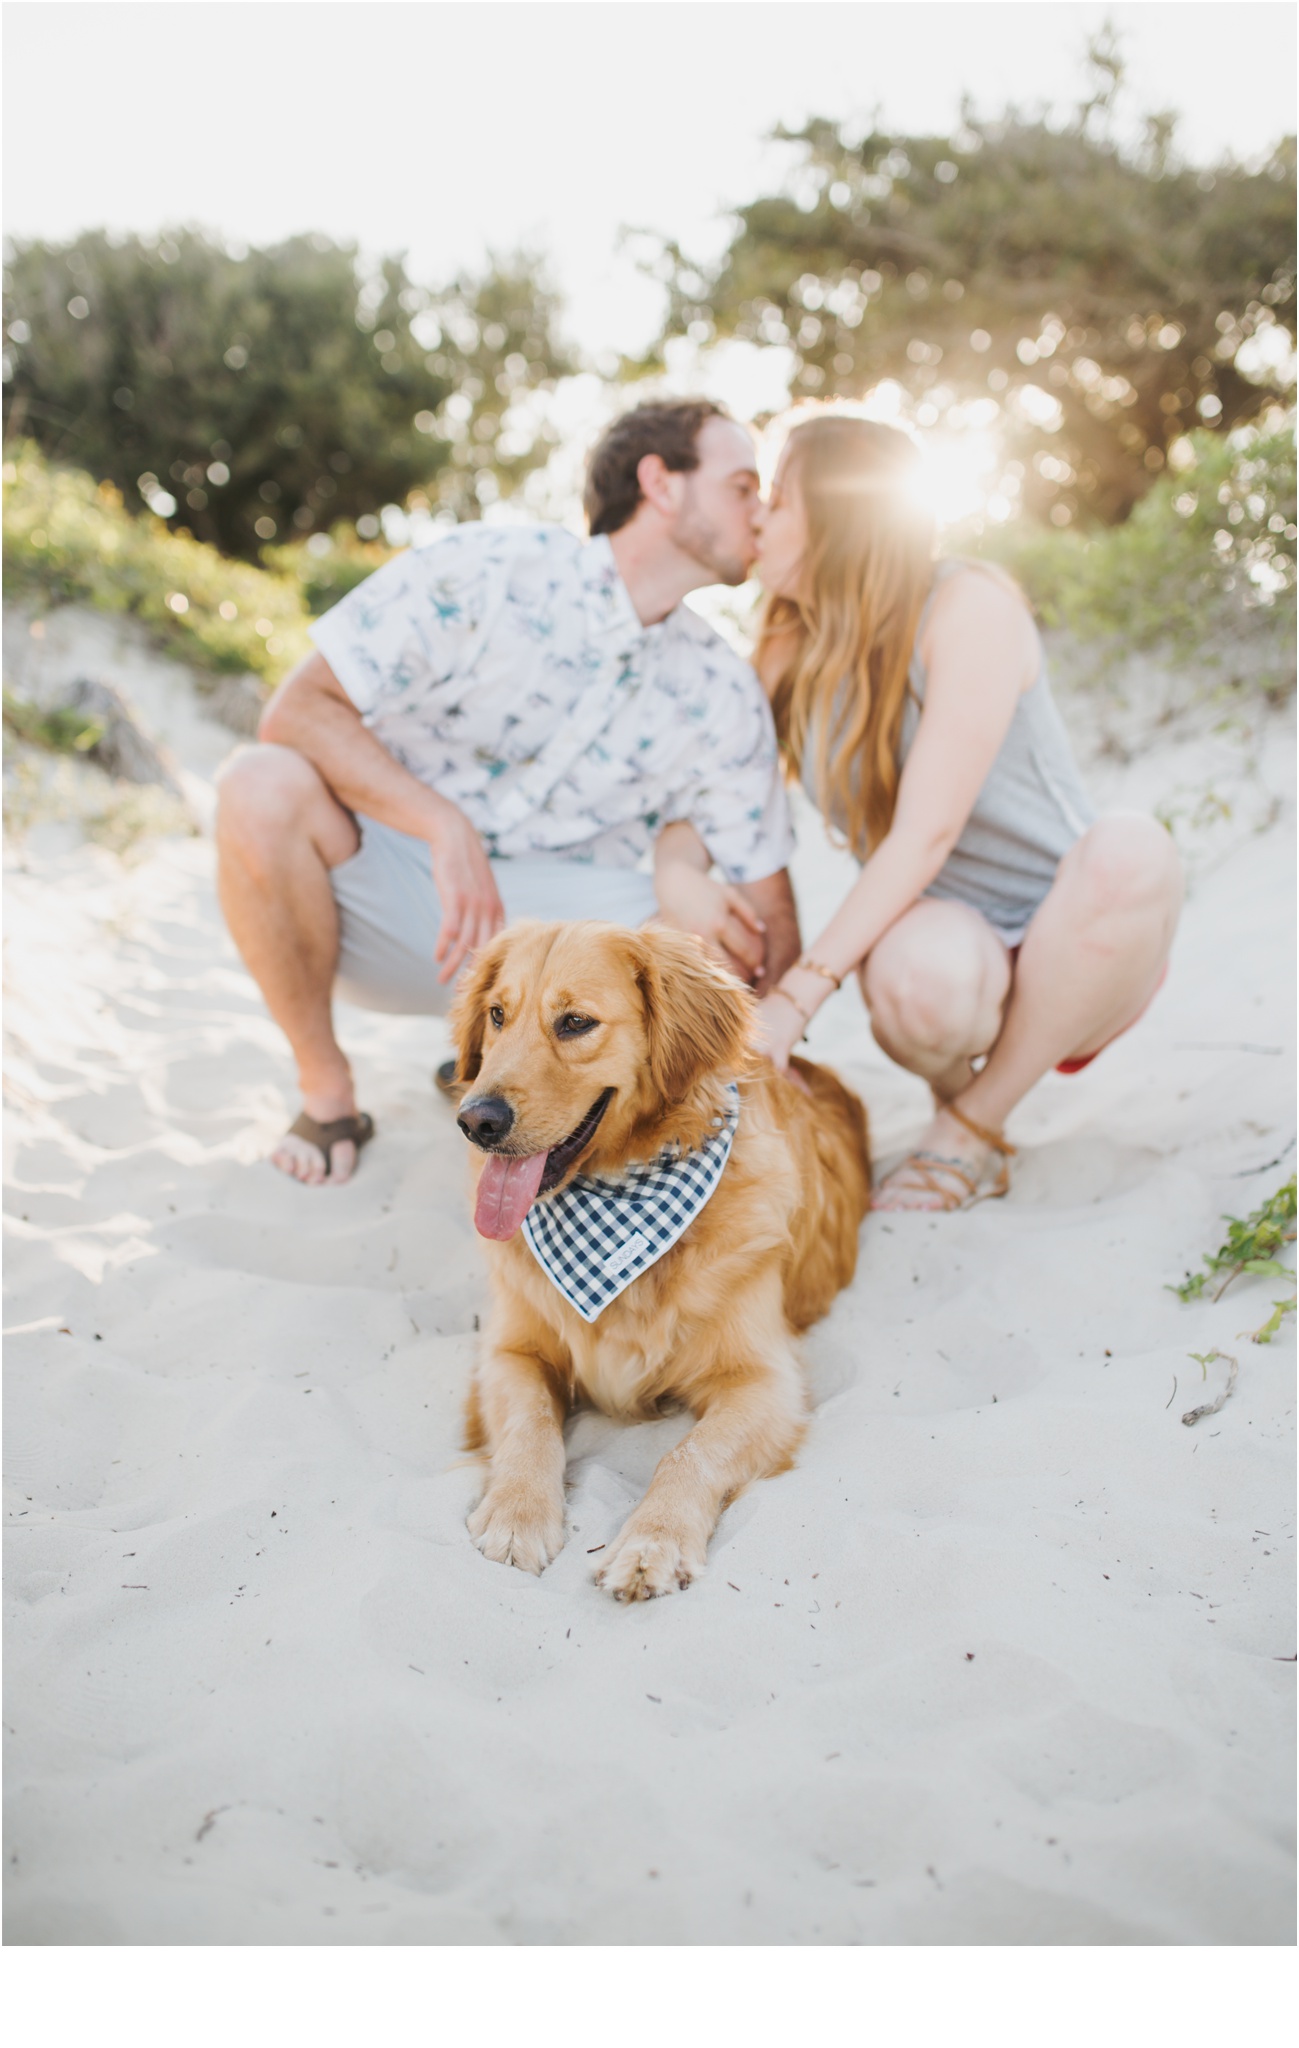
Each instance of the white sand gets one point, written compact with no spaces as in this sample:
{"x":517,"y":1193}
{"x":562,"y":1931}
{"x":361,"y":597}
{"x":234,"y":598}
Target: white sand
{"x":997,"y":1663}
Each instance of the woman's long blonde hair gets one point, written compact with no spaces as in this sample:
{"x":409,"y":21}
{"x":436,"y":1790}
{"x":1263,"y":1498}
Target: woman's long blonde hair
{"x":843,"y":648}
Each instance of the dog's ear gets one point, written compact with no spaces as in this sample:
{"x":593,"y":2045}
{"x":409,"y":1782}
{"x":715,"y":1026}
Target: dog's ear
{"x":698,"y":1018}
{"x":469,"y":1011}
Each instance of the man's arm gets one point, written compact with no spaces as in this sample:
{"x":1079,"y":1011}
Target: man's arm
{"x":773,"y":899}
{"x":312,"y":713}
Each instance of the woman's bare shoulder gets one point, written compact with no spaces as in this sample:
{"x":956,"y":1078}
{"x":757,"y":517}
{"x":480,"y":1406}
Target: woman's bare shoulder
{"x":984,"y":584}
{"x":978,"y":598}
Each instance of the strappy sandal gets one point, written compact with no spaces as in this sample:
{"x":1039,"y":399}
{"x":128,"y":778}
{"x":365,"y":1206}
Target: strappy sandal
{"x":359,"y":1129}
{"x":924,"y":1165}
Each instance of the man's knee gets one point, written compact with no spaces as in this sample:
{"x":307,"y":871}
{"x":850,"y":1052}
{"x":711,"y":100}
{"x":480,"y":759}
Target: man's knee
{"x":264,"y":781}
{"x":268,"y":797}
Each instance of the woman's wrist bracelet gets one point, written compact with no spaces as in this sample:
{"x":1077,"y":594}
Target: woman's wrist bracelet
{"x":793,"y":1002}
{"x":812,"y":966}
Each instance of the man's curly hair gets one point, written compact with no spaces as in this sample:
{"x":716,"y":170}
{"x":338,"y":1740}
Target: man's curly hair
{"x":668,"y":427}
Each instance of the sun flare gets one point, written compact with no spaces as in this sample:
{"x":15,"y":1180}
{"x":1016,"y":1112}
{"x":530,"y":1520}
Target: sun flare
{"x":958,"y":477}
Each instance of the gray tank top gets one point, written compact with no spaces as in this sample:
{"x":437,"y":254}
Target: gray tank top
{"x":1028,"y":813}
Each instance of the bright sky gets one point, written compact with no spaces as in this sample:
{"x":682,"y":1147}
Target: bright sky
{"x":445,"y":130}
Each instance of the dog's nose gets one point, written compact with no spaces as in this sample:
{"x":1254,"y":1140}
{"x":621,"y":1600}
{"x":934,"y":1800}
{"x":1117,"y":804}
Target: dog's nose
{"x":485,"y":1120}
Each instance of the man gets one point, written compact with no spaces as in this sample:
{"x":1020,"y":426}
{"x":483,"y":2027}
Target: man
{"x":498,"y":726}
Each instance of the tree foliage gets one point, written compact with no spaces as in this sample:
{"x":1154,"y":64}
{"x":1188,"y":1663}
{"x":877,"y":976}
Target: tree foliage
{"x":260,"y":396}
{"x":1095,"y":300}
{"x":1205,"y":566}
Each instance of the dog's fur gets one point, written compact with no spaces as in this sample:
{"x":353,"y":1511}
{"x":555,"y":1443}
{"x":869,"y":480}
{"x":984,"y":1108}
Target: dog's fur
{"x":711,"y":1325}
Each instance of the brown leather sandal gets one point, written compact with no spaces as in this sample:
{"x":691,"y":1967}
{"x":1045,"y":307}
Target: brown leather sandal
{"x":996,"y":1142}
{"x":924,"y":1165}
{"x":359,"y":1128}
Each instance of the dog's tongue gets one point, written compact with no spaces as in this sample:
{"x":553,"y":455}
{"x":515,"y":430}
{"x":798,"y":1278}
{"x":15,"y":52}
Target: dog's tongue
{"x":507,"y":1189}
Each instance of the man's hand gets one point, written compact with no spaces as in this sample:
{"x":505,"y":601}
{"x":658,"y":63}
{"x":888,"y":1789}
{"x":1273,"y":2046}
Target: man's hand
{"x":772,"y":901}
{"x":715,"y":912}
{"x":472,"y":911}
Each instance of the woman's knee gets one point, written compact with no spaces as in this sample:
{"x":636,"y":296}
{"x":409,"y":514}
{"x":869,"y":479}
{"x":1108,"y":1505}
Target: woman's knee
{"x":941,"y":993}
{"x":1124,"y":863}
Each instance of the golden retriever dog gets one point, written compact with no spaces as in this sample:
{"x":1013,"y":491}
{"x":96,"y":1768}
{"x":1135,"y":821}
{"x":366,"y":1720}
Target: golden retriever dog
{"x":588,"y":1051}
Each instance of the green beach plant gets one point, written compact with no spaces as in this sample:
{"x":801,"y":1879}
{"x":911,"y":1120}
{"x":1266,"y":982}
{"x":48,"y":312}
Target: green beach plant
{"x":1267,"y":1331}
{"x":1251,"y":1246}
{"x":69,"y":540}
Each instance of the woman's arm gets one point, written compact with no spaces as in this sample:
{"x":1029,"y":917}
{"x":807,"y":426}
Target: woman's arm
{"x":981,"y":651}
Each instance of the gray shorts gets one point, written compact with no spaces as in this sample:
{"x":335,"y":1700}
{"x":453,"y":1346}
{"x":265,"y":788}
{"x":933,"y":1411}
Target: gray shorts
{"x":389,"y":916}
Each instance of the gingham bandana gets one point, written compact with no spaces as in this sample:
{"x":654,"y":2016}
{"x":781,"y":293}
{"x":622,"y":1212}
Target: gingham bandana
{"x":597,"y":1235}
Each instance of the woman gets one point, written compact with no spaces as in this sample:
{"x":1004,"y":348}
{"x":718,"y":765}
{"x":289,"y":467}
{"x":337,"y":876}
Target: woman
{"x":995,"y":919}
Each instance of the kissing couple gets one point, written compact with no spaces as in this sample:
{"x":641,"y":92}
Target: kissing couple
{"x":517,"y":722}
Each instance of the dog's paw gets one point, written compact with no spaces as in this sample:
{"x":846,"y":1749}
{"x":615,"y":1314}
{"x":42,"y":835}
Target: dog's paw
{"x":646,"y":1563}
{"x":510,"y":1526}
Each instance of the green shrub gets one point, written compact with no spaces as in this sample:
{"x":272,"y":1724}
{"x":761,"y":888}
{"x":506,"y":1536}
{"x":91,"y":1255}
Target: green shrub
{"x":1204,"y":566}
{"x":59,"y":732}
{"x":327,"y":566}
{"x":68,"y":539}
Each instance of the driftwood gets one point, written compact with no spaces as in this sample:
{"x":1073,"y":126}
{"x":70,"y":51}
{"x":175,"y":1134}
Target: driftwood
{"x":234,"y":701}
{"x":122,"y":747}
{"x":1211,"y":1407}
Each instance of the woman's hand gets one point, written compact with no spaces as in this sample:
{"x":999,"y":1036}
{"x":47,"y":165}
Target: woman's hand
{"x":779,"y":1029}
{"x":716,"y":912}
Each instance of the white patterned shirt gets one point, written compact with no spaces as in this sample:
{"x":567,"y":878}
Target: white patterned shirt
{"x":506,"y":668}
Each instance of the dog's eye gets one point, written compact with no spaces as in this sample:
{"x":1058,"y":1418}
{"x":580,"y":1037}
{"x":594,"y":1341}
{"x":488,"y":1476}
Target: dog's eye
{"x":572,"y":1025}
{"x":497,"y":1015}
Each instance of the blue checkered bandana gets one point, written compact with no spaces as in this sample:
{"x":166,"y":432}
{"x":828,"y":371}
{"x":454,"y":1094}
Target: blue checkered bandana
{"x":597,"y":1235}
